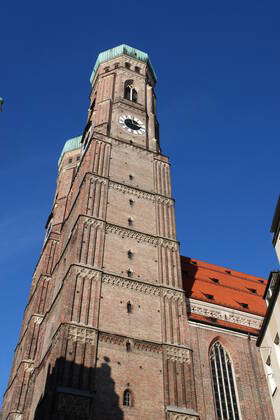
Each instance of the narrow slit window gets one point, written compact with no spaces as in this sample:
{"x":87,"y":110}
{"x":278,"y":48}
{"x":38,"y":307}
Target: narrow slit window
{"x":130,"y":254}
{"x":127,"y":398}
{"x":128,"y":346}
{"x":129,"y":307}
{"x":131,"y":202}
{"x":130,"y":221}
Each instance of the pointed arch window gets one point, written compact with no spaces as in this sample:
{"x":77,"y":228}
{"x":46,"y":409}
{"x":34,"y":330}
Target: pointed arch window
{"x":223,"y":384}
{"x":130,"y":92}
{"x":127,"y":400}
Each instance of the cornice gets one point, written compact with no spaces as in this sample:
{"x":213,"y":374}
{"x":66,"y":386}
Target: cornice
{"x":223,"y":313}
{"x":116,"y":281}
{"x":141,"y":237}
{"x":85,"y":334}
{"x":177,"y":354}
{"x":141,"y":193}
{"x":224,"y":330}
{"x":144,"y":287}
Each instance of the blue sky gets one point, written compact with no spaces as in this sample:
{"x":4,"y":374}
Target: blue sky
{"x":218,"y":66}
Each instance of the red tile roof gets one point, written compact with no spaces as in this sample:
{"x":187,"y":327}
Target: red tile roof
{"x":223,"y":286}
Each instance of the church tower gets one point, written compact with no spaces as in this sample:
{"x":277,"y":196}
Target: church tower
{"x":104,"y":330}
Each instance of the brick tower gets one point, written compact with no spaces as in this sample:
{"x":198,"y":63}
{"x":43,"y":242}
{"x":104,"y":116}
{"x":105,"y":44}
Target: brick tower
{"x":104,"y":331}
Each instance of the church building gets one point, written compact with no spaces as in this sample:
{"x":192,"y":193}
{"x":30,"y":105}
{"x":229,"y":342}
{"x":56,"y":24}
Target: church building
{"x":118,"y":325}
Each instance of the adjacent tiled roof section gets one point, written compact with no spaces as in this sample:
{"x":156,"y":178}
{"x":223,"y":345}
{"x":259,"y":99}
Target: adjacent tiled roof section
{"x":222,"y":287}
{"x":120,"y":50}
{"x":71,"y":144}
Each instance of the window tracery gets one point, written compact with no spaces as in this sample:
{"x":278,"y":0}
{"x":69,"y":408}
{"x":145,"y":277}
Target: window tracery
{"x":223,"y":383}
{"x":130,"y":92}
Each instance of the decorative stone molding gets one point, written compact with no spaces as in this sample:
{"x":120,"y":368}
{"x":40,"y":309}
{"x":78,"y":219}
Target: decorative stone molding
{"x":177,"y":354}
{"x":168,"y":244}
{"x":166,"y":201}
{"x":136,"y":344}
{"x":174,"y":295}
{"x":141,"y":237}
{"x":87,"y":272}
{"x":112,"y":339}
{"x":115,"y":281}
{"x":132,"y":191}
{"x":97,"y":179}
{"x":141,"y":194}
{"x":177,"y":416}
{"x":28,"y":365}
{"x":74,"y":405}
{"x":16,"y":416}
{"x":224,"y":314}
{"x":146,"y":288}
{"x":93,"y":222}
{"x":81,"y":334}
{"x":37,"y":319}
{"x":127,"y":233}
{"x":151,"y":347}
{"x":41,"y":278}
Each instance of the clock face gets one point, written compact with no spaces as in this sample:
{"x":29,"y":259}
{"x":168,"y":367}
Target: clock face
{"x":132,"y":124}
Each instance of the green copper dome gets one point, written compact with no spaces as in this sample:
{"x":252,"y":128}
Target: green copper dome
{"x":71,"y":144}
{"x":120,"y":50}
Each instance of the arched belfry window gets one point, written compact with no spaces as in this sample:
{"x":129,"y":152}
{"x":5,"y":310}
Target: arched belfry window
{"x":130,"y":92}
{"x":223,"y":383}
{"x":127,"y":400}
